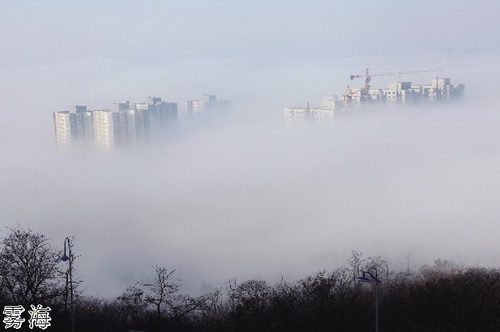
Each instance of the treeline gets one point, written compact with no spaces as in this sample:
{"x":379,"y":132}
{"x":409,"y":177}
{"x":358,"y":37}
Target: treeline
{"x":442,"y":297}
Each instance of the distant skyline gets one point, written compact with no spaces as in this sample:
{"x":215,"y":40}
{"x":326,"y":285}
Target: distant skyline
{"x":234,"y":49}
{"x":249,"y":198}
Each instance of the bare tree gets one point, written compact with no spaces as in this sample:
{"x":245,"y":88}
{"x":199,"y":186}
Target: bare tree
{"x":28,"y":267}
{"x":250,"y":295}
{"x":133,"y":304}
{"x":161,"y":289}
{"x":213,"y":309}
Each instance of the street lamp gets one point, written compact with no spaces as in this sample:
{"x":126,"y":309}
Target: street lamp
{"x":69,"y":284}
{"x":364,"y":278}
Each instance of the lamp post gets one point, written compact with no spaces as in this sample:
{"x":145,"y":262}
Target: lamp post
{"x":364,"y":278}
{"x":69,"y":284}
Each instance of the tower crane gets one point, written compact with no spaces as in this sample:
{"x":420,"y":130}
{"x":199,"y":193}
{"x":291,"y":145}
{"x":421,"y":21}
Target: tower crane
{"x":365,"y":90}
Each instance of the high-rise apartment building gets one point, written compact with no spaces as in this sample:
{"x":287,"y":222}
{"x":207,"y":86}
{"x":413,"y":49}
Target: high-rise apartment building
{"x":103,"y":129}
{"x":73,"y":125}
{"x":162,"y":114}
{"x":123,"y":125}
{"x":440,"y":89}
{"x":209,"y":107}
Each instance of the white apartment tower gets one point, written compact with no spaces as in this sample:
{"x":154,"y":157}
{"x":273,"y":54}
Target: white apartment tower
{"x":123,"y":125}
{"x":103,"y":129}
{"x":72,"y":126}
{"x":212,"y":106}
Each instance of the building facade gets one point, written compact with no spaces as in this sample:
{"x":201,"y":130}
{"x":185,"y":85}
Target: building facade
{"x":439,"y":90}
{"x":123,"y":125}
{"x":211,"y":106}
{"x":73,"y":126}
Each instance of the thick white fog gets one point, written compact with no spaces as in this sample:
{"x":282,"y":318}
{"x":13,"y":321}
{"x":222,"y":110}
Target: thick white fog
{"x":249,"y":196}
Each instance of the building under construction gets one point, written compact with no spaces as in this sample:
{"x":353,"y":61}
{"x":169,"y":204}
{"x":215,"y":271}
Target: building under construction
{"x":439,"y":90}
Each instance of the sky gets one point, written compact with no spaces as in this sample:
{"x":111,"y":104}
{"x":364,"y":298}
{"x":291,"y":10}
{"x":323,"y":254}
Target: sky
{"x":249,"y":197}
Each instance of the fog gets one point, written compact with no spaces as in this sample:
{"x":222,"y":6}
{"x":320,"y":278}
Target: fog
{"x":248,"y":196}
